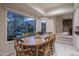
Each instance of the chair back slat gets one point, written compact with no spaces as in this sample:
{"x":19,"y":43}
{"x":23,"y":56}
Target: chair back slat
{"x":18,"y":44}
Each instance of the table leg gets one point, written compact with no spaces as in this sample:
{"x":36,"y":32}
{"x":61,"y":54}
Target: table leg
{"x":36,"y":51}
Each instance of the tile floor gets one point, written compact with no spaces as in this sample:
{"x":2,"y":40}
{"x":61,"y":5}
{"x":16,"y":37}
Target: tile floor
{"x":64,"y":46}
{"x":65,"y":50}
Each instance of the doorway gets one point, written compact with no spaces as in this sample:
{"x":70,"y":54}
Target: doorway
{"x":67,"y":26}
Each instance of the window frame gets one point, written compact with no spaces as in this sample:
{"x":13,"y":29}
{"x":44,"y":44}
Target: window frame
{"x":15,"y":24}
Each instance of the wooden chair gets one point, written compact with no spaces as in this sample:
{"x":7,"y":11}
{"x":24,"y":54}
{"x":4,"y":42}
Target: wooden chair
{"x":49,"y":34}
{"x":47,"y":38}
{"x":45,"y":49}
{"x":20,"y":51}
{"x":37,"y":35}
{"x":53,"y":38}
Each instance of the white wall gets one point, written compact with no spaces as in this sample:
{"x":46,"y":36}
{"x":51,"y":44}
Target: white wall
{"x":5,"y":47}
{"x":3,"y":36}
{"x":76,"y":23}
{"x":50,"y":26}
{"x":38,"y":25}
{"x":68,"y":16}
{"x":58,"y":24}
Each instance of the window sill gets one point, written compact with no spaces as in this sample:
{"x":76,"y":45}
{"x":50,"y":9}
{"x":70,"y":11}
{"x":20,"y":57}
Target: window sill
{"x":10,"y":42}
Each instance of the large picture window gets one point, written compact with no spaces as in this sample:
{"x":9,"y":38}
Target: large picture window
{"x":18,"y":24}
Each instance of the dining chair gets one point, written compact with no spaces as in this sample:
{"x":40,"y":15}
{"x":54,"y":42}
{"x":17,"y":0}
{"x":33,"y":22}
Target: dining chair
{"x":51,"y":34}
{"x":37,"y":35}
{"x":45,"y":48}
{"x":53,"y":38}
{"x":20,"y":51}
{"x":47,"y":34}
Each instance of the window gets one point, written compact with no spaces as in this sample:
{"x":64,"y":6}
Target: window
{"x":43,"y":26}
{"x":18,"y":24}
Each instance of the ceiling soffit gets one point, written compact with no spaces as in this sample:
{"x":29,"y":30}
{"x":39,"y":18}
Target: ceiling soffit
{"x":42,"y":9}
{"x":56,"y":9}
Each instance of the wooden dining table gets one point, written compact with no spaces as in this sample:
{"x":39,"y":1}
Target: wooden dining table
{"x":32,"y":41}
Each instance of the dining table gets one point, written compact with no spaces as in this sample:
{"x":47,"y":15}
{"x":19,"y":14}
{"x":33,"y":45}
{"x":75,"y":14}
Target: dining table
{"x":32,"y":41}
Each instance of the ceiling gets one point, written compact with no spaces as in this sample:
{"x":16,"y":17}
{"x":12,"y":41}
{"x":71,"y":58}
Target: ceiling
{"x":49,"y":9}
{"x":46,"y":6}
{"x":43,"y":9}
